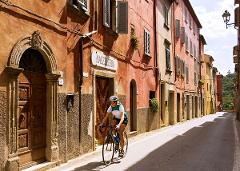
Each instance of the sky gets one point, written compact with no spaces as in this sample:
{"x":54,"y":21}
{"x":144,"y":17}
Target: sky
{"x":220,"y":41}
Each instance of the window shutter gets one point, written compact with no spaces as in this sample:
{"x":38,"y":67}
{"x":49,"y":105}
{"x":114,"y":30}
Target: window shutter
{"x":178,"y":65}
{"x":191,"y":51}
{"x":236,"y":18}
{"x":186,"y":43}
{"x":165,"y":15}
{"x":182,"y":35}
{"x":177,"y":28}
{"x":83,"y":4}
{"x":168,"y":63}
{"x":106,"y":13}
{"x":146,"y":42}
{"x":122,"y":17}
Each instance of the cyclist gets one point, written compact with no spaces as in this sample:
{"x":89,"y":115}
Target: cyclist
{"x":119,"y":121}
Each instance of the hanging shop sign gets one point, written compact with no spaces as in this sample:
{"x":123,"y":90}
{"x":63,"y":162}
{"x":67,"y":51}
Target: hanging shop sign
{"x":101,"y":60}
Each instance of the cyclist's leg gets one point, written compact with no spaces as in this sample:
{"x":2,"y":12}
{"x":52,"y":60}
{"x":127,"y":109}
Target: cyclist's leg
{"x":121,"y":130}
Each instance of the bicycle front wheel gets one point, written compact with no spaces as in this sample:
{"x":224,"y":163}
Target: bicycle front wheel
{"x":108,"y":150}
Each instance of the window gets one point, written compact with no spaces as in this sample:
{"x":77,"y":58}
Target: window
{"x":190,"y":22}
{"x":146,"y":42}
{"x":80,"y":4}
{"x":178,"y":70}
{"x":187,"y":75}
{"x":195,"y":78}
{"x":186,"y":43}
{"x":166,"y":16}
{"x":194,"y":28}
{"x":177,"y":28}
{"x":186,"y":15}
{"x":168,"y":59}
{"x":115,"y":15}
{"x":191,"y":48}
{"x":182,"y":36}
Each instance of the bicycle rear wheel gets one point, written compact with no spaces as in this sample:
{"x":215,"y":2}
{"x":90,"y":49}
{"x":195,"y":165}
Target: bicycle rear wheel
{"x":125,"y":148}
{"x":108,"y":150}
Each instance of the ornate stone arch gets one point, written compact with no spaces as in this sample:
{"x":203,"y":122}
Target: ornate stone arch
{"x":35,"y":41}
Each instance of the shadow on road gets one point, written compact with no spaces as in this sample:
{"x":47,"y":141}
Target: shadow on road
{"x":95,"y":166}
{"x":208,"y":147}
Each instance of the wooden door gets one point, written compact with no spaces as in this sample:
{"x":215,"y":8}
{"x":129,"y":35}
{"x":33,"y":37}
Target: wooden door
{"x":104,"y":89}
{"x":31,"y":119}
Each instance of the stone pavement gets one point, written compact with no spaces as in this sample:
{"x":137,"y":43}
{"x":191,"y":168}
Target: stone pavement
{"x":144,"y":145}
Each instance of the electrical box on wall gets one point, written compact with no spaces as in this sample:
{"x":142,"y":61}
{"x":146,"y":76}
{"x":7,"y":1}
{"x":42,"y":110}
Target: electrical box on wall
{"x":70,"y":101}
{"x":60,"y":79}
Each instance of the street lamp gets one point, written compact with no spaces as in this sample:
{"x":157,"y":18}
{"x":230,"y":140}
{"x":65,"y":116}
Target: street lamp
{"x":226,"y":18}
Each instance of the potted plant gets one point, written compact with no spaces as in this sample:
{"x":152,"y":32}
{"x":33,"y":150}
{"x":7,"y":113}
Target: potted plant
{"x":154,"y":105}
{"x":201,"y":82}
{"x":134,"y":41}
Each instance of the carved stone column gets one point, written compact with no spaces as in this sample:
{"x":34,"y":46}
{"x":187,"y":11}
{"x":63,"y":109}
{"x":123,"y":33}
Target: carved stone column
{"x":52,"y":150}
{"x":13,"y":159}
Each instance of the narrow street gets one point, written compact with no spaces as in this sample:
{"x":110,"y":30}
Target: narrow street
{"x":202,"y":144}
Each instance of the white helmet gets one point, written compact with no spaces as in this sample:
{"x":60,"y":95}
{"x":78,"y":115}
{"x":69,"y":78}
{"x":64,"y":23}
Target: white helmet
{"x":113,"y":98}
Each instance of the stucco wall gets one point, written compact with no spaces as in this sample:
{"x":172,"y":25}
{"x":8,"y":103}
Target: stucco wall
{"x":68,"y":128}
{"x":86,"y":124}
{"x":3,"y":120}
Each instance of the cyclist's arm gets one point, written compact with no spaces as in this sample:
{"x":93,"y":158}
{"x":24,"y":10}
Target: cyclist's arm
{"x":122,"y":118}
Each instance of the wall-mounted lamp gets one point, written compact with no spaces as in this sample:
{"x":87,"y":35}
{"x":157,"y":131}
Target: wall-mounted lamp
{"x":70,"y":101}
{"x":226,"y":18}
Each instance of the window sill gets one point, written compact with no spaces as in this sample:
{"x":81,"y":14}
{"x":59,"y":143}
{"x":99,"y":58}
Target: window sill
{"x":80,"y":11}
{"x":111,"y":32}
{"x":168,"y":71}
{"x":166,"y":26}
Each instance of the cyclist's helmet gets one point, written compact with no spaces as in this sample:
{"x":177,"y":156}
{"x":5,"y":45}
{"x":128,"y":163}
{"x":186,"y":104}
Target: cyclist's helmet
{"x":113,"y":98}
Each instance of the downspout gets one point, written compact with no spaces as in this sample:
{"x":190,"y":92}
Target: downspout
{"x":174,"y":38}
{"x":80,"y":83}
{"x":157,"y":71}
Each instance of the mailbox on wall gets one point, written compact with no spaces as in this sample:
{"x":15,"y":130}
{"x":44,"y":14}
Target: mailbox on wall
{"x":70,"y":101}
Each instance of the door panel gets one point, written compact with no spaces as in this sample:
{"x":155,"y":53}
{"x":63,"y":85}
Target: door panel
{"x":31,"y":118}
{"x":104,"y":89}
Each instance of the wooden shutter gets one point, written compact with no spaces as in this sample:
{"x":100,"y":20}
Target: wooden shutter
{"x":122,"y":17}
{"x":236,"y":12}
{"x":106,"y":13}
{"x":177,"y":28}
{"x":186,"y":43}
{"x":182,"y":35}
{"x":168,"y":62}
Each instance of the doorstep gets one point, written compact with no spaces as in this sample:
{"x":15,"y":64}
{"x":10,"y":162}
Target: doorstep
{"x":42,"y":166}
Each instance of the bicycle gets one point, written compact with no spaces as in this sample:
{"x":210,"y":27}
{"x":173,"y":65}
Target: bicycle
{"x":111,"y":146}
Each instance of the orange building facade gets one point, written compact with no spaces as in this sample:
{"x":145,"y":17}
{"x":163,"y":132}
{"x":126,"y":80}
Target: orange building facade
{"x":187,"y":63}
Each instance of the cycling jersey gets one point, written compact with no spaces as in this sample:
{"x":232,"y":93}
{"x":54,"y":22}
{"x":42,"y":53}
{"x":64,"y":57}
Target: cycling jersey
{"x":116,"y":110}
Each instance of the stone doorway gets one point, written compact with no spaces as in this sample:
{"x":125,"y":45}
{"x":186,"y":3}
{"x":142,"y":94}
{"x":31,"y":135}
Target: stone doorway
{"x":31,"y":119}
{"x":32,"y":84}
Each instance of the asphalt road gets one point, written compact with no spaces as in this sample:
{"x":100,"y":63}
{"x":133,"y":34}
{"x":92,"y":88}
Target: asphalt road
{"x":210,"y":143}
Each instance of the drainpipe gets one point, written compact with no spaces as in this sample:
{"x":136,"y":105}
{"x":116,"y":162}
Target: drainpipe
{"x":157,"y":71}
{"x":80,"y":62}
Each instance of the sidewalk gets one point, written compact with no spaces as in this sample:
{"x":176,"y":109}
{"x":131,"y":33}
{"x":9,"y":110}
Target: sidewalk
{"x":93,"y":160}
